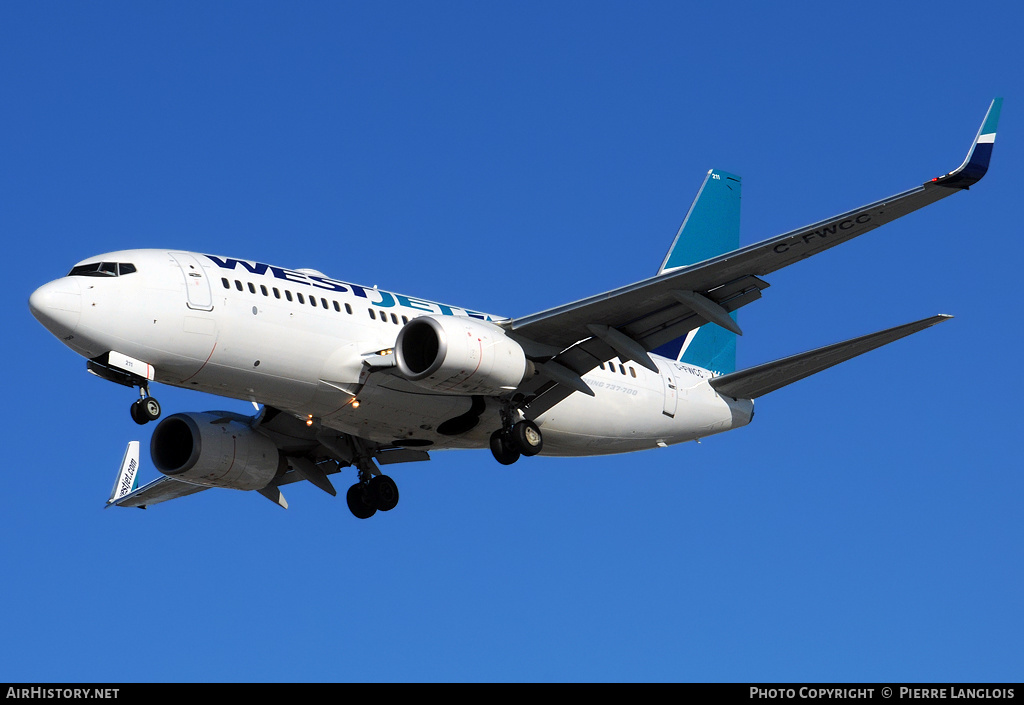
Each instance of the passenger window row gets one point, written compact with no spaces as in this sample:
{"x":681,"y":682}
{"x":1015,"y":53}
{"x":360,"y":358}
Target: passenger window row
{"x":384,"y":317}
{"x":288,"y":296}
{"x":301,"y":298}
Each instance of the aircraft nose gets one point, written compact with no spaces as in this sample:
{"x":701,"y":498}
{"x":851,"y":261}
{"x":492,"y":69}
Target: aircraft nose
{"x":58,"y":305}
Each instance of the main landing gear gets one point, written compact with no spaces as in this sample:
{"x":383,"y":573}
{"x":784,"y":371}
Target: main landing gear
{"x":522,"y":438}
{"x":378,"y":493}
{"x":145,"y":408}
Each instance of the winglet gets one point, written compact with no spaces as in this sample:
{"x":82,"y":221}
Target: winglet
{"x":128,"y":476}
{"x":976,"y":163}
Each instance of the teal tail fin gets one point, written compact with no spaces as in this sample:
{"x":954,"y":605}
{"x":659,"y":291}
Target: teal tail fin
{"x":711,"y":228}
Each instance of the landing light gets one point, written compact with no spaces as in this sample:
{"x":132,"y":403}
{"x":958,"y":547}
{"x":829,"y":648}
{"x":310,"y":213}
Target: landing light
{"x":309,"y":420}
{"x":355,"y":403}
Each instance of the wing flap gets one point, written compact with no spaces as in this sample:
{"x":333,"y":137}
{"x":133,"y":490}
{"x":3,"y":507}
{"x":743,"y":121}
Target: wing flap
{"x":762,"y":379}
{"x":657,"y":329}
{"x":648,"y":331}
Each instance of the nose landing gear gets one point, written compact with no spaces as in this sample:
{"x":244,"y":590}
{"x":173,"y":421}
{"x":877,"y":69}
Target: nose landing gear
{"x":121,"y":369}
{"x":145,"y":408}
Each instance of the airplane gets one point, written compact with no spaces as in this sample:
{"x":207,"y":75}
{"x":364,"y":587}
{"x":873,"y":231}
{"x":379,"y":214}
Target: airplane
{"x":344,"y":375}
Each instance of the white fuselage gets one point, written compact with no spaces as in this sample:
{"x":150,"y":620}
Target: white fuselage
{"x":311,"y":345}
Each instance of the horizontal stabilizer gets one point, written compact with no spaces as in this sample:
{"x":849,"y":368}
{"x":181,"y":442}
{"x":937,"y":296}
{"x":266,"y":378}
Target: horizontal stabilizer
{"x":758,"y":381}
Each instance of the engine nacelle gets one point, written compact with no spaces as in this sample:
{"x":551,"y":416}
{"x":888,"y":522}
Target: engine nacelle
{"x":214,"y":448}
{"x":456,"y":355}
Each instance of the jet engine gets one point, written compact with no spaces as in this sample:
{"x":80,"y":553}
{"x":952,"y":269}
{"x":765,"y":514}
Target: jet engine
{"x":214,"y":448}
{"x":456,"y":355}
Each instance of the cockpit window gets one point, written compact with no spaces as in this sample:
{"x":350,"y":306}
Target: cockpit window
{"x":102,"y":269}
{"x":90,"y":270}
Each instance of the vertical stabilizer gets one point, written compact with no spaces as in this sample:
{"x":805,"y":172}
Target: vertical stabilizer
{"x":711,"y":228}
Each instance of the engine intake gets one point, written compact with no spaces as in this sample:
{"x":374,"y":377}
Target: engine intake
{"x":456,"y":355}
{"x":214,"y":448}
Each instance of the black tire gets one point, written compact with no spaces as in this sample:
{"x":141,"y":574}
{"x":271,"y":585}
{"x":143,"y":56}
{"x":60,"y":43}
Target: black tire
{"x":356,"y":505}
{"x":502,"y":448}
{"x":382,"y":492}
{"x":138,"y":414}
{"x":151,"y":408}
{"x":526,"y":438}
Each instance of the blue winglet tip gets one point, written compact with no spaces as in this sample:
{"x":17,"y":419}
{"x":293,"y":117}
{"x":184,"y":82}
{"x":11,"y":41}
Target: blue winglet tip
{"x":975,"y":166}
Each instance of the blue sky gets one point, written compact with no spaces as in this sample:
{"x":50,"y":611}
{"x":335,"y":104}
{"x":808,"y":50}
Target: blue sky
{"x":510,"y":157}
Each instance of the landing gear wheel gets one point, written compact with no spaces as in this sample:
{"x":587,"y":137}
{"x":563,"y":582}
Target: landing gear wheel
{"x":138,"y":414}
{"x":526,"y":438}
{"x":382,"y":492}
{"x":359,"y":508}
{"x":145,"y":409}
{"x":505,"y":452}
{"x":151,"y":408}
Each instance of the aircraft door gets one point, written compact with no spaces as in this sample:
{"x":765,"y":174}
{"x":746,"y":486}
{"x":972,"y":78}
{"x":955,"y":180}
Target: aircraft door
{"x":197,"y":283}
{"x":668,"y":378}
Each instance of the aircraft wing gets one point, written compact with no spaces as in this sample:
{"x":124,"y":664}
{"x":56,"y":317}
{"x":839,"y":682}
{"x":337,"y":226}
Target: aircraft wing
{"x":310,"y":454}
{"x":159,"y":490}
{"x":628,"y":321}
